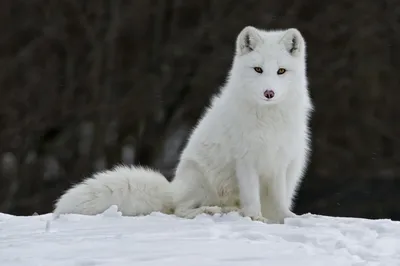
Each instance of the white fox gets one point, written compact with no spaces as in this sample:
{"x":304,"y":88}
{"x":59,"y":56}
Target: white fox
{"x":248,"y":152}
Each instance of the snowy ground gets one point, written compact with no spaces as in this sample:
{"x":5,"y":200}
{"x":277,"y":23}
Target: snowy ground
{"x":163,"y":240}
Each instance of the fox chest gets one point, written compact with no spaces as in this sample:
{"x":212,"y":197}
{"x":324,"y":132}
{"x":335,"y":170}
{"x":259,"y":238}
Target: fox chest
{"x":269,"y":150}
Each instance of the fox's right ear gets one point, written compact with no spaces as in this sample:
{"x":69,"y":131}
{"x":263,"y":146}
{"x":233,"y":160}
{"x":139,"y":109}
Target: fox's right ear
{"x":247,"y":40}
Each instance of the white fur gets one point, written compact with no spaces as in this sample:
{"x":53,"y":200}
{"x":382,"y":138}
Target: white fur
{"x":136,"y":191}
{"x":247,"y":153}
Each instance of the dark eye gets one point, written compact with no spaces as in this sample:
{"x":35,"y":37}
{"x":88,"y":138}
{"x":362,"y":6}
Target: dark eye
{"x":281,"y":71}
{"x":258,"y":70}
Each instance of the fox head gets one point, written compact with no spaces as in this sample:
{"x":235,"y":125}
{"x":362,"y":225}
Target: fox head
{"x":269,"y":65}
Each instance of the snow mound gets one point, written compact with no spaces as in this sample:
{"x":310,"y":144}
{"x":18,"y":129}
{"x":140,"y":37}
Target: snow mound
{"x":165,"y":240}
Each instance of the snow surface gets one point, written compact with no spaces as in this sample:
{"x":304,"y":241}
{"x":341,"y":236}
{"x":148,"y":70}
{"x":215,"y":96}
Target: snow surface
{"x":165,"y":240}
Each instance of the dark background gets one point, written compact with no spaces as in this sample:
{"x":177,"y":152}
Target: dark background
{"x":88,"y":84}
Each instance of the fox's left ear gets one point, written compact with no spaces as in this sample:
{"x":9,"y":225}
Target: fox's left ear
{"x":293,"y":41}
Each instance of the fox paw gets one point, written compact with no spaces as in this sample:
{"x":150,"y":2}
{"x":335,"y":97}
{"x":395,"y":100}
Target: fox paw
{"x":192,"y":213}
{"x":258,"y":218}
{"x":211,"y":210}
{"x":230,"y":209}
{"x":280,"y":219}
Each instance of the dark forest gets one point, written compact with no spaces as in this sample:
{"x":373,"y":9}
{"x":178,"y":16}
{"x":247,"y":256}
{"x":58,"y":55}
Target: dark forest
{"x":85,"y":85}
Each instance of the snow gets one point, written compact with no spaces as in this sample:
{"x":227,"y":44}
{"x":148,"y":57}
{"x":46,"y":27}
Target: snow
{"x":165,"y":240}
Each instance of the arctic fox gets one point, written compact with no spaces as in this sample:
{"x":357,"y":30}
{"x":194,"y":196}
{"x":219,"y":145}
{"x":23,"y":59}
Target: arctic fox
{"x":247,"y":153}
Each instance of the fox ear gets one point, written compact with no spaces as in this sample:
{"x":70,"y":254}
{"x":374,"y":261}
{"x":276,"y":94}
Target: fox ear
{"x":247,"y":40}
{"x":293,"y":42}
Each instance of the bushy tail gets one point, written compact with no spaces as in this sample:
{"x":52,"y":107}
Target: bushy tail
{"x":135,"y":190}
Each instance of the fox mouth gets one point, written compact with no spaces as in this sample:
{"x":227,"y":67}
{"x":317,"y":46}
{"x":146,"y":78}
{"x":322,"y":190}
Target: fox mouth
{"x":267,"y":101}
{"x":274,"y":99}
{"x":271,"y":100}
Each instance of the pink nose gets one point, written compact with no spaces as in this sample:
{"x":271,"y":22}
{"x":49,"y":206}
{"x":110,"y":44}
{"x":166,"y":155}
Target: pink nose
{"x":269,"y":94}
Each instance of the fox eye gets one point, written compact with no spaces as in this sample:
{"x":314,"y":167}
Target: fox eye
{"x":281,"y":71}
{"x":258,"y":70}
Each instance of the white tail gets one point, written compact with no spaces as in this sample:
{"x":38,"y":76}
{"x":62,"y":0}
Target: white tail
{"x":135,"y":190}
